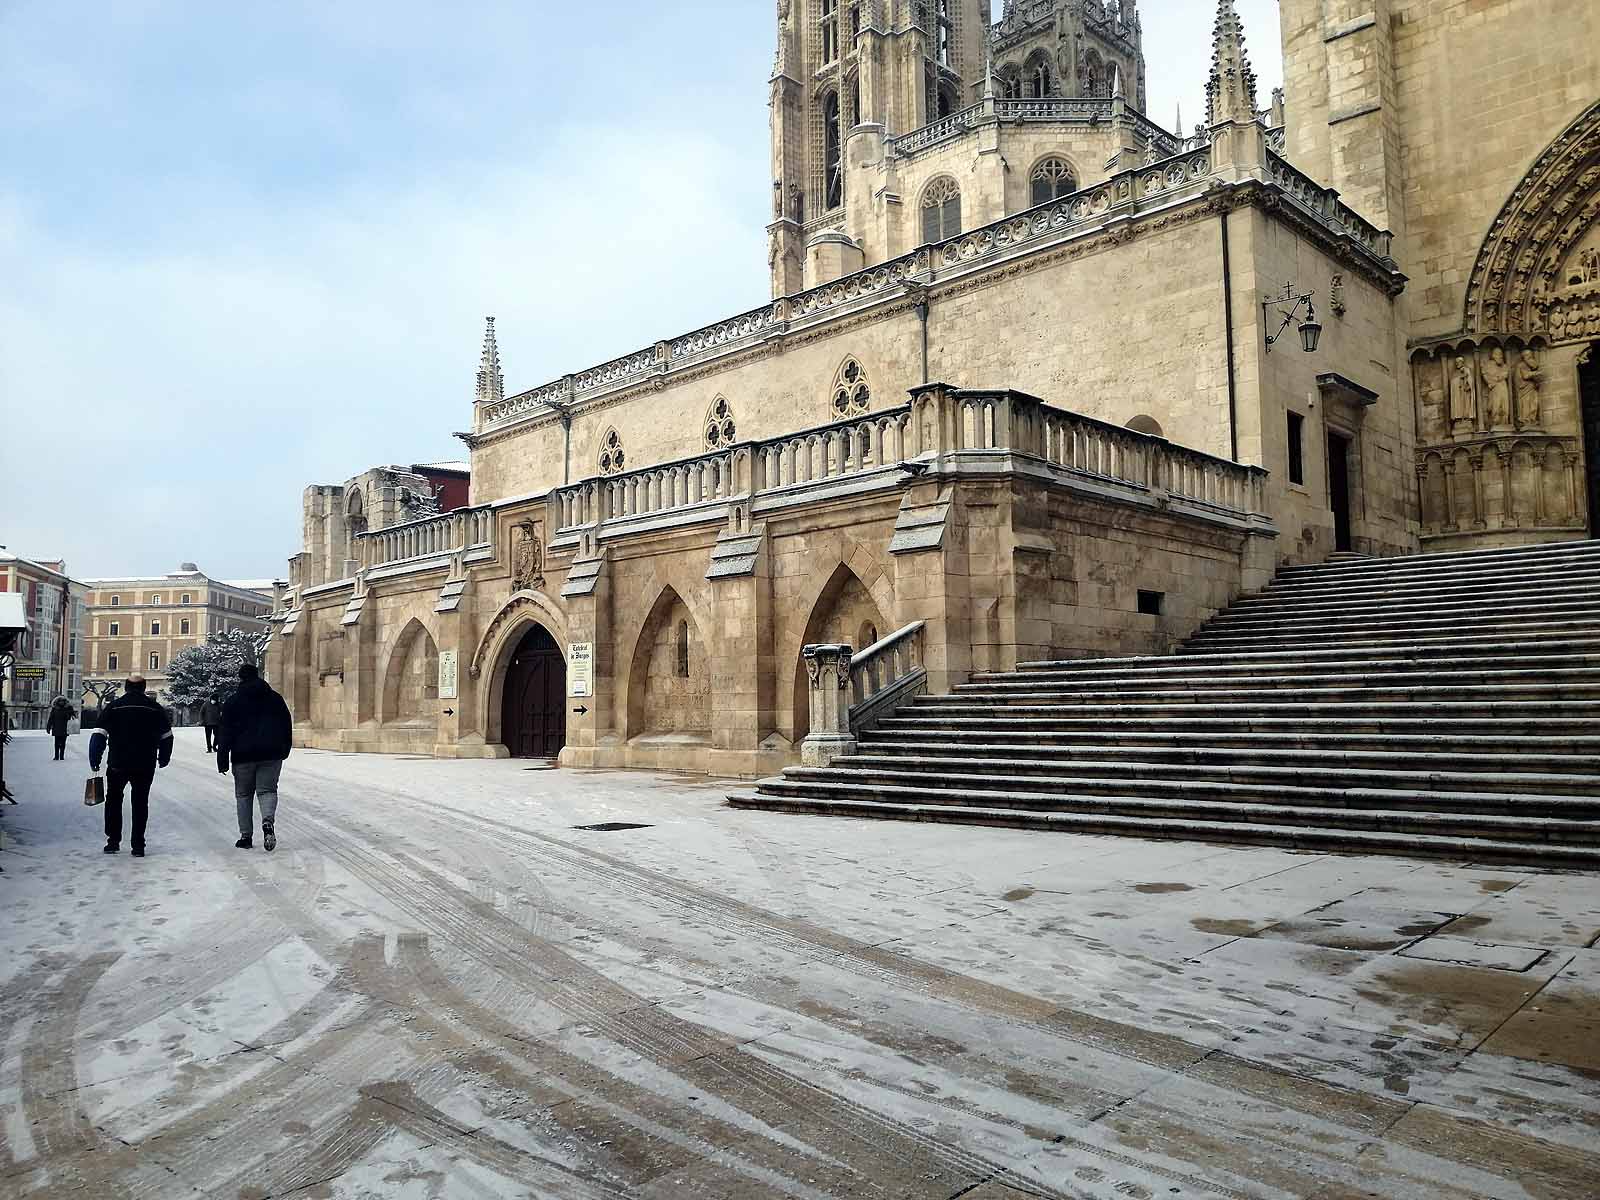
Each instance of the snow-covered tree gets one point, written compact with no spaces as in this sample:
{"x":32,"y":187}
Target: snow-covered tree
{"x":210,"y":671}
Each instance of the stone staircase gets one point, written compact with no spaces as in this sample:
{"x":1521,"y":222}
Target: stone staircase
{"x":1434,"y":705}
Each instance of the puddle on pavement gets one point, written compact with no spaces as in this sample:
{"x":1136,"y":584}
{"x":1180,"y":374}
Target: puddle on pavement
{"x":1234,"y":928}
{"x":1155,"y":889}
{"x":1498,"y":885}
{"x":1021,"y":893}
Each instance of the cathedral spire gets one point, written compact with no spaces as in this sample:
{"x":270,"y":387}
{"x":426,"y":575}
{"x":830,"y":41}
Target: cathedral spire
{"x":491,"y":384}
{"x":1231,"y":90}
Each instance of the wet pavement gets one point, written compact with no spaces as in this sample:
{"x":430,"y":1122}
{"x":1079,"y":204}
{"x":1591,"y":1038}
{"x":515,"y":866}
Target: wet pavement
{"x":440,"y":986}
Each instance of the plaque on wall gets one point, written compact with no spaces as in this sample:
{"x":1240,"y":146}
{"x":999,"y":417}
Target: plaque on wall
{"x":580,"y":669}
{"x":447,"y":674}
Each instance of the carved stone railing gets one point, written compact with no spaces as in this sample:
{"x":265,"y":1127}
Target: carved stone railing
{"x":711,"y":337}
{"x":828,"y":668}
{"x":1054,"y":108}
{"x":848,"y":447}
{"x":885,"y":675}
{"x":675,"y":485}
{"x":428,"y":538}
{"x":1324,"y":204}
{"x":1020,"y":20}
{"x":935,"y":132}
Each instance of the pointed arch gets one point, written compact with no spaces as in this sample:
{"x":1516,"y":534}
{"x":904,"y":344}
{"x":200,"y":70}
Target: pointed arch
{"x":411,"y":676}
{"x":1038,"y":75}
{"x":659,"y":700}
{"x":1051,"y":178}
{"x":854,"y":592}
{"x":499,"y":642}
{"x":1527,"y":260}
{"x":940,"y":209}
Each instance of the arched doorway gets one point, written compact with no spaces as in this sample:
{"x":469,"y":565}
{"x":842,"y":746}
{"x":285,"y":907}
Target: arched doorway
{"x":1589,"y":399}
{"x":533,"y":719}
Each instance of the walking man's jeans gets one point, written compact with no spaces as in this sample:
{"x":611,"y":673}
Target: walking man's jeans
{"x":115,"y":781}
{"x":61,"y":747}
{"x":256,"y":781}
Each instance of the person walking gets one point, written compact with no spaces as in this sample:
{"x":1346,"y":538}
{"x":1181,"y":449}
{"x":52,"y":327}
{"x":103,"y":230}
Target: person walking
{"x":59,"y":723}
{"x":140,"y":735}
{"x":257,"y":732}
{"x":211,"y":717}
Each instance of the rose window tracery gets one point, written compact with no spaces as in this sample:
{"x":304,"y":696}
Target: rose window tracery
{"x":852,"y":394}
{"x":721,"y":431}
{"x":613,"y":460}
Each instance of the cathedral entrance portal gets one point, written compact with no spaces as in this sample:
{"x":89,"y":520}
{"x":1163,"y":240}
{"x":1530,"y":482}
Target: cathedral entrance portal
{"x":534,"y":715}
{"x":1589,"y":391}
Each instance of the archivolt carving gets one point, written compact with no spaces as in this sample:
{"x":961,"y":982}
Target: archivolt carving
{"x":515,"y":608}
{"x":1537,"y":271}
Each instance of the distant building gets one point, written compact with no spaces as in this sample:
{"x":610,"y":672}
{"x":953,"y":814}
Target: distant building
{"x":335,"y":515}
{"x":135,"y":626}
{"x":47,"y":660}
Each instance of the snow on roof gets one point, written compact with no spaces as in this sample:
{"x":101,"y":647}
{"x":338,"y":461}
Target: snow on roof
{"x":464,"y":468}
{"x":252,"y":585}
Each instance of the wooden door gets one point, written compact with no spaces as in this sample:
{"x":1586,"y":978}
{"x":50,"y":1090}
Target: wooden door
{"x":534,"y":715}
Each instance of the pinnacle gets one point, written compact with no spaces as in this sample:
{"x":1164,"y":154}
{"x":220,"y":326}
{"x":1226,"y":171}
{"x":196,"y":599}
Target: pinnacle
{"x":1231,"y":89}
{"x":491,"y":384}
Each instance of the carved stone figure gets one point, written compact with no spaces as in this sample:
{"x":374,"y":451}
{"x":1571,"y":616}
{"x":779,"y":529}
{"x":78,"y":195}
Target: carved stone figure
{"x":1497,"y":390}
{"x":527,"y":563}
{"x":1527,"y":377}
{"x":1463,"y":392}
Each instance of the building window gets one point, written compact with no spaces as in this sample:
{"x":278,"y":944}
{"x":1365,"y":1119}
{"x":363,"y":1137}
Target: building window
{"x":1146,"y":424}
{"x":116,"y":628}
{"x":852,"y":396}
{"x":1038,"y":80}
{"x":156,"y":599}
{"x":116,"y":600}
{"x":1051,"y":180}
{"x":947,"y":100}
{"x":613,"y":460}
{"x":941,"y":210}
{"x":683,"y":649}
{"x":1152,"y":604}
{"x":155,"y":662}
{"x":1010,"y":80}
{"x":185,"y":599}
{"x":111,"y":662}
{"x":832,"y":156}
{"x":155,"y":628}
{"x":1297,"y":449}
{"x":944,"y":34}
{"x":720,"y":429}
{"x":830,"y":30}
{"x":183,"y":627}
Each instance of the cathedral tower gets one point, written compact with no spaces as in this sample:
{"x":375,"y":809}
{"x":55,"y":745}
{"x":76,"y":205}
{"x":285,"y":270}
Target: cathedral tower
{"x":893,"y":64}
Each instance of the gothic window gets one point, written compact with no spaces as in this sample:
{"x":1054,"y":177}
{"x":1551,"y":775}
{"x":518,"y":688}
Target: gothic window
{"x":1010,"y":81}
{"x":1096,"y":78}
{"x":832,"y":161}
{"x":612,"y":459}
{"x":720,"y":430}
{"x":1146,"y":424}
{"x":1038,"y":80}
{"x":855,"y":22}
{"x":944,"y":36}
{"x":1051,"y":179}
{"x":683,"y":649}
{"x":852,"y":110}
{"x":949,"y":99}
{"x":830,"y":30}
{"x":852,"y":395}
{"x":941,"y":210}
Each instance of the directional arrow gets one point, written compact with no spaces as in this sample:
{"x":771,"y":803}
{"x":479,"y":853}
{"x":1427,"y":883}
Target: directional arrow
{"x":581,"y":710}
{"x":449,"y":712}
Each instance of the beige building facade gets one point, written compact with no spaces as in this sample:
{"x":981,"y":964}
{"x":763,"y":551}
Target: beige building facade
{"x":1072,"y":422}
{"x":136,"y":626}
{"x":49,"y":656}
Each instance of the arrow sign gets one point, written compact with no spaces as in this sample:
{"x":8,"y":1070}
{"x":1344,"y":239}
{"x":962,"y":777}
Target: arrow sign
{"x":449,"y":712}
{"x":581,"y":710}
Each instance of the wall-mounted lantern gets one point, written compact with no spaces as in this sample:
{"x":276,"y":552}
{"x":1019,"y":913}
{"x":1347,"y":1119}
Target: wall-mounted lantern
{"x":1310,"y":327}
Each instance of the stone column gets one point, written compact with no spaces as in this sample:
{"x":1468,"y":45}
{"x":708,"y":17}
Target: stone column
{"x":828,"y":668}
{"x":591,"y":735}
{"x":743,"y":667}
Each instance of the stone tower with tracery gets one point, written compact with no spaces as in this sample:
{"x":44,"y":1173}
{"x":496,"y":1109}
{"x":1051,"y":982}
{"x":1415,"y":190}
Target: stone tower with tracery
{"x":862,"y":87}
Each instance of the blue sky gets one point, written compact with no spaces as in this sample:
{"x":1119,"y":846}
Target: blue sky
{"x":250,"y":247}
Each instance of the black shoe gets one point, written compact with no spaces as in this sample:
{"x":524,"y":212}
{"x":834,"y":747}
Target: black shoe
{"x":108,"y":848}
{"x":269,"y":835}
{"x":138,"y":851}
{"x":243,"y":844}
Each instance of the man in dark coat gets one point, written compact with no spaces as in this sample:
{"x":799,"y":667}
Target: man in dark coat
{"x":59,"y":723}
{"x":256,"y":735}
{"x":211,"y":717}
{"x":140,"y":733}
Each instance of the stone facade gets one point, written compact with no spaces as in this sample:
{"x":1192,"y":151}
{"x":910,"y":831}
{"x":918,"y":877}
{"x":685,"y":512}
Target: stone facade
{"x":49,"y":656}
{"x":866,"y":458}
{"x":1472,"y":131}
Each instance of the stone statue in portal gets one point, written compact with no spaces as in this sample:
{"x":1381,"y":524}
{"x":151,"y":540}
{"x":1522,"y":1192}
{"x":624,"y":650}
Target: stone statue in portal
{"x":1527,"y":377}
{"x":1463,"y":392}
{"x":1497,"y":390}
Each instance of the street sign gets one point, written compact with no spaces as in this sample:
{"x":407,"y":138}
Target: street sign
{"x":28,"y":673}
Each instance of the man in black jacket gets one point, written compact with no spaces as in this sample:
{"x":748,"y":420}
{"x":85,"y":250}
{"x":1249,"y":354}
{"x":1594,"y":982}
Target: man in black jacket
{"x":140,"y":733}
{"x":256,"y":735}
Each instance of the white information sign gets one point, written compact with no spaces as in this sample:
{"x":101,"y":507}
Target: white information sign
{"x":580,"y":668}
{"x":447,"y":675}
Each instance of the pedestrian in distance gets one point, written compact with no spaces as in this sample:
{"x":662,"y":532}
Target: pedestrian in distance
{"x":59,"y":723}
{"x":140,"y":735}
{"x":256,"y":735}
{"x":211,"y":717}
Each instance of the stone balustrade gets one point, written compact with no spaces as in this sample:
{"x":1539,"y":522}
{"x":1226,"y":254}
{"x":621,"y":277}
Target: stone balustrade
{"x":879,"y":439}
{"x":1324,"y":204}
{"x":884,"y":674}
{"x":430,"y":537}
